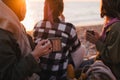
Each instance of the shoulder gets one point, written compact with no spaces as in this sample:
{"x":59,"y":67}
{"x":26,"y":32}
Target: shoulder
{"x":5,"y":35}
{"x":68,"y":27}
{"x":115,"y":26}
{"x":69,"y":24}
{"x":41,"y":23}
{"x":47,"y":23}
{"x":114,"y":32}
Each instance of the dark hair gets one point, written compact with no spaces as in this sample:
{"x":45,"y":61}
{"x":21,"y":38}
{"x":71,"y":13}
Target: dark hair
{"x":57,"y":7}
{"x":110,"y":8}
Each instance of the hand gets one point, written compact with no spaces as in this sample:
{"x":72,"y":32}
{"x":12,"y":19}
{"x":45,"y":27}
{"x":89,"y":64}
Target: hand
{"x":93,"y":38}
{"x":96,"y":35}
{"x":43,"y":47}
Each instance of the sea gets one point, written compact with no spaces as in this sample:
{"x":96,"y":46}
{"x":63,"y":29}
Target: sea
{"x":80,"y":13}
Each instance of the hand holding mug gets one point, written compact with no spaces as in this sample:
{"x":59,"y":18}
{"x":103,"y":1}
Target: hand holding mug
{"x":92,"y":36}
{"x":43,"y":47}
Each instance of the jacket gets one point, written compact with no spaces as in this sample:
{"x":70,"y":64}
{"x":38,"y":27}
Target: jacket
{"x":109,"y":49}
{"x":13,"y":66}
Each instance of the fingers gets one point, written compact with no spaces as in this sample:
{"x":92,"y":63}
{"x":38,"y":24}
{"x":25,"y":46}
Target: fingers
{"x":45,"y":46}
{"x":42,"y":42}
{"x":47,"y":51}
{"x":91,"y":38}
{"x":48,"y":44}
{"x":88,"y":36}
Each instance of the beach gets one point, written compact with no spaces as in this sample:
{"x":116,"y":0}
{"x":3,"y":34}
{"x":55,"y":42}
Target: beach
{"x":91,"y":49}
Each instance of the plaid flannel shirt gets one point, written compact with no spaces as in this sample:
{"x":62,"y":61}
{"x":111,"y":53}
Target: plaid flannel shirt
{"x":57,"y":61}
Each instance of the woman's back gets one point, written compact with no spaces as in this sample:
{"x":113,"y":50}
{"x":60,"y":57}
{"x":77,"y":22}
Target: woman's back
{"x":56,"y":62}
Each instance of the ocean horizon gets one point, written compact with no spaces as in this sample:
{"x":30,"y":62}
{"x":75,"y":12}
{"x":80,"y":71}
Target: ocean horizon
{"x":80,"y":13}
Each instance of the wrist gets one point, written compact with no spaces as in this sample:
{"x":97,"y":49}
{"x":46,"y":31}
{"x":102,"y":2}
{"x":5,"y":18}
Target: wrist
{"x":35,"y":57}
{"x":99,"y":45}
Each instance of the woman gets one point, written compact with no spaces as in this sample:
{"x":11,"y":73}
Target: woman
{"x":108,"y":43}
{"x":17,"y":60}
{"x":55,"y":64}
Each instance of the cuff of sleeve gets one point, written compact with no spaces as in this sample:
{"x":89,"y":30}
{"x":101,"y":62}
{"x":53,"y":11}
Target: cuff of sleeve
{"x":31,"y":61}
{"x":99,"y":45}
{"x":33,"y":65}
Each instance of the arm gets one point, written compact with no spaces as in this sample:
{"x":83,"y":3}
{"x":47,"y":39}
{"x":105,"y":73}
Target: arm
{"x":75,"y":42}
{"x":12,"y":65}
{"x":74,"y":45}
{"x":110,"y":50}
